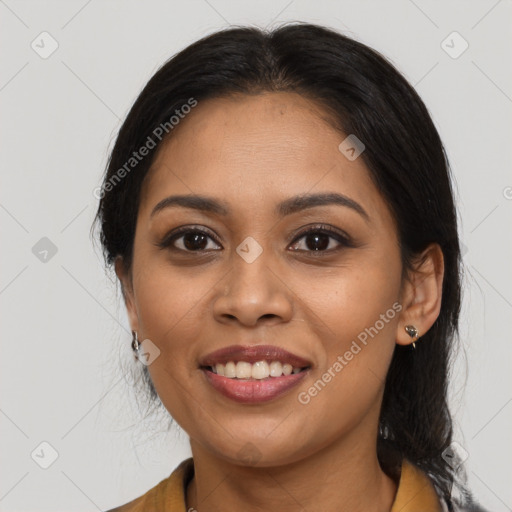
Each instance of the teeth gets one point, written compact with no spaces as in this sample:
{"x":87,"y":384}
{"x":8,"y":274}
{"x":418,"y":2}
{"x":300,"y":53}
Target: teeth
{"x":287,"y":369}
{"x":276,"y":369}
{"x":229,"y":370}
{"x":243,"y":370}
{"x":259,"y":370}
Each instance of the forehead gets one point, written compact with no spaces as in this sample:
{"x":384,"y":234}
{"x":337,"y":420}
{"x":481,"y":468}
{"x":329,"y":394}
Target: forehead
{"x":255,"y":151}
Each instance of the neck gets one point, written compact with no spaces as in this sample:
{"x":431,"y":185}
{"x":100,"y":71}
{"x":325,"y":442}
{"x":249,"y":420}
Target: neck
{"x":342,"y":476}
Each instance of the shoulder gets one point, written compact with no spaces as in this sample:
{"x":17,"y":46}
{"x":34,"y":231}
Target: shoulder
{"x":133,"y":506}
{"x":144,"y":502}
{"x":461,"y":498}
{"x":415,"y":491}
{"x":167,"y":495}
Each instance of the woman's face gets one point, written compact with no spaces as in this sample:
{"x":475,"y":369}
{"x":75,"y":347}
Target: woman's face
{"x":254,"y":278}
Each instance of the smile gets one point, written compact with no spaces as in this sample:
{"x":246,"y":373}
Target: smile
{"x":258,"y":370}
{"x":262,"y":388}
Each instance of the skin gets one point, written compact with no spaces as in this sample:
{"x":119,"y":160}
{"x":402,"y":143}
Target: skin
{"x":253,"y":152}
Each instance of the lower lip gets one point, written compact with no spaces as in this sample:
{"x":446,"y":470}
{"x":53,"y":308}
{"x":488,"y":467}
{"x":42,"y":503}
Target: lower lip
{"x":254,"y":390}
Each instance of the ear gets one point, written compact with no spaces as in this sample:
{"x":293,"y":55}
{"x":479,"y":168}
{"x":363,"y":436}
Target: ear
{"x":422,"y":293}
{"x":127,"y":289}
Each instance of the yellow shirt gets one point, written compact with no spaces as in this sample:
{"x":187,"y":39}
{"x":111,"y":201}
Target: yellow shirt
{"x":415,"y":492}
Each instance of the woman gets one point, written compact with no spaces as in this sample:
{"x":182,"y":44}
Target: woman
{"x":279,"y":213}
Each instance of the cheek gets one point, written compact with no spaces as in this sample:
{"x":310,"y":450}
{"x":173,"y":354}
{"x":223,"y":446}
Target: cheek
{"x":167,"y":298}
{"x":170,"y":315}
{"x":355,"y":314}
{"x":353,"y":297}
{"x":350,"y":379}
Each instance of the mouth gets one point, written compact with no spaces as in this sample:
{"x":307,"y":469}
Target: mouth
{"x":251,"y":390}
{"x":260,"y":370}
{"x":254,"y":374}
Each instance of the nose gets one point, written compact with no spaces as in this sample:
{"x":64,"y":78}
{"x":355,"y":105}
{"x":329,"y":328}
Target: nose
{"x":253,"y":293}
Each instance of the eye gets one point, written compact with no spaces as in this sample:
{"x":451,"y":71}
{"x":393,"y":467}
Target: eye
{"x":321,"y":239}
{"x":318,"y":239}
{"x":188,"y":240}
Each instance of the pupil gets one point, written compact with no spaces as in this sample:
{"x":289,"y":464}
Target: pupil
{"x":316,"y":237}
{"x":190,"y":241}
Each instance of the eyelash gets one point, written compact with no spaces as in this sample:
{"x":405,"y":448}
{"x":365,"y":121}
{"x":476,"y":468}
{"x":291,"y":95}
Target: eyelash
{"x":340,"y":237}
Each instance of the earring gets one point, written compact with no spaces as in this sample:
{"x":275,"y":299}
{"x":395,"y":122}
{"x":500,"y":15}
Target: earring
{"x":413,"y":333}
{"x":135,"y":342}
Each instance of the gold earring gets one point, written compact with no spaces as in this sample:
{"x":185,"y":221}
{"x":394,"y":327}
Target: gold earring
{"x":413,"y":333}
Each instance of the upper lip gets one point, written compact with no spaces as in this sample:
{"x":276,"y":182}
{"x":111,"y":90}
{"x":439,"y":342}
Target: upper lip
{"x":253,"y":354}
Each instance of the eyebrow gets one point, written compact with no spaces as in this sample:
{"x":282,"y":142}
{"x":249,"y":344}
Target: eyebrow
{"x":286,"y":207}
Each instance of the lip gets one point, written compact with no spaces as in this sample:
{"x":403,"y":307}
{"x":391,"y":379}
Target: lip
{"x":250,"y":391}
{"x":253,"y":354}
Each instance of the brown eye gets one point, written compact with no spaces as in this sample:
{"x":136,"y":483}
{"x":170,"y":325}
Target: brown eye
{"x":318,"y":239}
{"x":321,"y":239}
{"x":187,"y":240}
